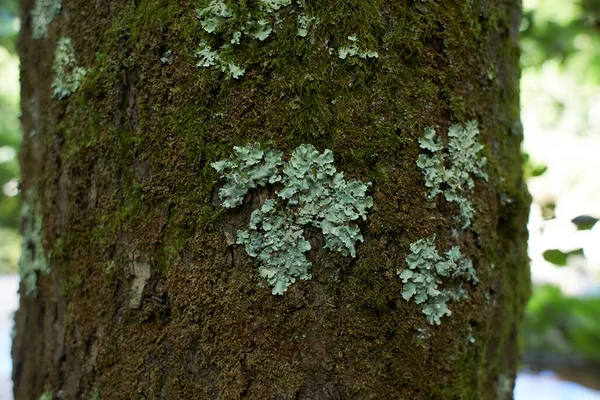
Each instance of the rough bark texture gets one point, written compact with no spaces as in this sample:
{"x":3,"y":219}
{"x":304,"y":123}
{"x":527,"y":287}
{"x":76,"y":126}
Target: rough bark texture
{"x":148,"y":297}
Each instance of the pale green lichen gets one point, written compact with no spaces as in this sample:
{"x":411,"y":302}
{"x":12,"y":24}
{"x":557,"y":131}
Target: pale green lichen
{"x":42,"y":15}
{"x":209,"y":57}
{"x":470,"y":337}
{"x":275,"y":5}
{"x":229,"y":25}
{"x":33,"y":259}
{"x":504,"y":386}
{"x":259,"y":29}
{"x":236,"y":38}
{"x":324,"y":198}
{"x":431,"y":278}
{"x":279,"y":244}
{"x":304,"y":22}
{"x":250,"y":168}
{"x":167,"y":58}
{"x":309,"y":191}
{"x":453,"y":173}
{"x":213,"y":17}
{"x":47,"y":395}
{"x":67,"y":75}
{"x":354,"y":50}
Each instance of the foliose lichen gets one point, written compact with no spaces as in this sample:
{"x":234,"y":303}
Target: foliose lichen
{"x":67,"y":75}
{"x":33,"y":259}
{"x":209,"y":57}
{"x":353,"y":50}
{"x":278,"y":242}
{"x":451,"y":173}
{"x":274,"y":5}
{"x":230,"y":25}
{"x":470,"y":337}
{"x":214,"y":20}
{"x":309,"y":191}
{"x":324,"y":198}
{"x":213,"y":16}
{"x":250,"y":168}
{"x":435,"y":280}
{"x":42,"y":14}
{"x":167,"y":58}
{"x":304,"y":21}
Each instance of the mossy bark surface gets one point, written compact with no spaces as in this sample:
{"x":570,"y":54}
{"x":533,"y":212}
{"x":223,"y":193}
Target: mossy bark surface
{"x":149,"y":297}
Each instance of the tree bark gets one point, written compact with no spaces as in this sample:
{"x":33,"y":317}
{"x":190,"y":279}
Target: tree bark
{"x":147,"y":294}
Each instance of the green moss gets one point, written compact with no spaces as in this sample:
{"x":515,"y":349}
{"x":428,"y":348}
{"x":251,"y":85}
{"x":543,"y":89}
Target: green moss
{"x":231,"y":25}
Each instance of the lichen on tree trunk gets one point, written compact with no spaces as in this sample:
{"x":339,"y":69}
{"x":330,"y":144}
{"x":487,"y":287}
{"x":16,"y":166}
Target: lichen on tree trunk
{"x":149,"y":296}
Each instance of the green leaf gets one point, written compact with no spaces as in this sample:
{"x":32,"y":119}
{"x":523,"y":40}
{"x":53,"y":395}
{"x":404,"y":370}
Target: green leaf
{"x":558,"y":257}
{"x":584,"y":222}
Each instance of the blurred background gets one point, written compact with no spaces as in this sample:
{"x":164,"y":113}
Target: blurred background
{"x":560,"y":94}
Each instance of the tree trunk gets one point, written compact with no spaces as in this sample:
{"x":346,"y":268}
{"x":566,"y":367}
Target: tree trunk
{"x":133,"y":283}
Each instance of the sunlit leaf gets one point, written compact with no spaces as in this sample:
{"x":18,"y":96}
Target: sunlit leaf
{"x":584,"y":222}
{"x":560,"y":258}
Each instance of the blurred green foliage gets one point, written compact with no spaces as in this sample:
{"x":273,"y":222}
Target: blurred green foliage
{"x":10,"y":249}
{"x":9,"y":24}
{"x":566,"y":34}
{"x":562,"y":325}
{"x":10,"y":137}
{"x":531,"y":168}
{"x":568,"y":31}
{"x":10,"y":6}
